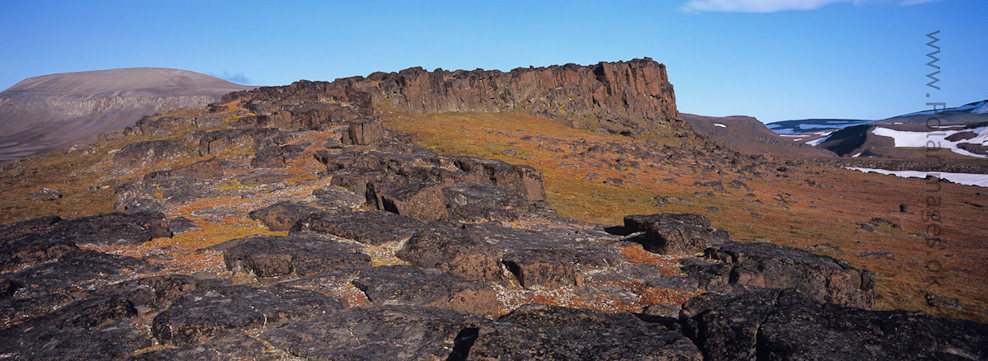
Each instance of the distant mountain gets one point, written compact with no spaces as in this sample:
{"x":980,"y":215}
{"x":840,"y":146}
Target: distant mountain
{"x":748,"y":135}
{"x":55,"y":112}
{"x":959,"y":130}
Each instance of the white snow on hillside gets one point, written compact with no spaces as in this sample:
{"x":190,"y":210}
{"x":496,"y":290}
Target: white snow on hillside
{"x":975,"y":108}
{"x":720,"y":125}
{"x":982,"y":109}
{"x":921,"y":139}
{"x":980,"y":180}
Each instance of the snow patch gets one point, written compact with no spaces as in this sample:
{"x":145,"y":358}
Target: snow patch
{"x":934,"y":139}
{"x":720,"y":125}
{"x":980,"y":180}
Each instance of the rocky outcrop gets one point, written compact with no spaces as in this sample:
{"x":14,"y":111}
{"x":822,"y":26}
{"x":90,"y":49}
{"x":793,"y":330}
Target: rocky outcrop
{"x":772,"y":324}
{"x":637,"y":89}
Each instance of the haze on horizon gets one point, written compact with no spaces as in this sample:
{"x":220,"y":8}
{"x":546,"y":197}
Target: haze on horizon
{"x":774,"y":60}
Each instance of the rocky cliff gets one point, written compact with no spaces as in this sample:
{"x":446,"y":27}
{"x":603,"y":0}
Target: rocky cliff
{"x":54,"y":112}
{"x":584,"y":95}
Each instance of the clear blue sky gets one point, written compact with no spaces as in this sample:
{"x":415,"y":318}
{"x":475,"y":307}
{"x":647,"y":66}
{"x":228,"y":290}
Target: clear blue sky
{"x":772,"y":59}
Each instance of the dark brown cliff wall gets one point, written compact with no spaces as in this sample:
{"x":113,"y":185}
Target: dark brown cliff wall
{"x":637,"y":89}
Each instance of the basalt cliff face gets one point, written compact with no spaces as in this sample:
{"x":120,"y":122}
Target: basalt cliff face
{"x":585,"y":95}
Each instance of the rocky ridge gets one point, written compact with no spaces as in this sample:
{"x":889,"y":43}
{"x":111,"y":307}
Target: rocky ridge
{"x":370,"y":247}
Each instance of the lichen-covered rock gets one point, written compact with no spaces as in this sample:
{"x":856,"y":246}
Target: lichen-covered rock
{"x":365,"y":131}
{"x":370,"y":227}
{"x":546,"y":332}
{"x":524,"y":179}
{"x":203,"y":314}
{"x":472,"y":202}
{"x":772,"y":324}
{"x":823,"y":278}
{"x":273,"y":256}
{"x":419,"y":200}
{"x":282,"y":216}
{"x":550,"y":268}
{"x":378,"y":333}
{"x":453,"y":251}
{"x":148,"y":153}
{"x":410,"y":285}
{"x":675,"y":234}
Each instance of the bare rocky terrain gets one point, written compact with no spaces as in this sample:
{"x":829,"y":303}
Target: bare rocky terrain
{"x":361,"y":244}
{"x":56,"y":112}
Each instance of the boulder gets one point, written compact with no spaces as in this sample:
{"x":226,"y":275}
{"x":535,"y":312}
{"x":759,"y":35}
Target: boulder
{"x":822,"y":278}
{"x":274,"y":256}
{"x":111,"y":229}
{"x":772,"y":324}
{"x":148,"y":153}
{"x":337,"y":199}
{"x":453,"y":251}
{"x":366,"y":131}
{"x":378,"y":333}
{"x":421,"y":201}
{"x":549,"y":268}
{"x":369,"y":227}
{"x":675,"y":234}
{"x":472,"y":202}
{"x":410,"y":285}
{"x":524,"y":179}
{"x":282,"y":216}
{"x":204,"y":314}
{"x":546,"y":332}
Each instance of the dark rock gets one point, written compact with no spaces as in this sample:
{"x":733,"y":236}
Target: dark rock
{"x":71,"y":269}
{"x":334,"y":198}
{"x":11,"y":230}
{"x":550,"y":268}
{"x":273,"y":256}
{"x":370,"y":227}
{"x":210,"y":169}
{"x":111,"y":229}
{"x":203,"y":314}
{"x":885,"y":255}
{"x":545,"y":332}
{"x":50,"y":342}
{"x":180,"y":225}
{"x":264,"y":178}
{"x":410,"y":285}
{"x":525,"y":179}
{"x":790,"y":325}
{"x":453,"y":251}
{"x":46,"y":194}
{"x":148,"y":153}
{"x":356,"y":180}
{"x":676,"y":234}
{"x":421,"y":201}
{"x":276,"y":156}
{"x":883,"y":222}
{"x":823,"y":278}
{"x":938,"y":301}
{"x":376,"y":333}
{"x":474,"y":202}
{"x":364,"y":132}
{"x":218,"y":140}
{"x":283,"y":215}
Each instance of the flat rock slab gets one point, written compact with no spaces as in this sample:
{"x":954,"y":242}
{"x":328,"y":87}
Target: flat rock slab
{"x":453,"y":251}
{"x":774,"y":324}
{"x":675,"y":234}
{"x":73,"y":270}
{"x":337,"y":199}
{"x":377,"y":333}
{"x":203,"y":314}
{"x":410,"y":285}
{"x":283,"y":215}
{"x":824,"y":278}
{"x":112,"y":229}
{"x":370,"y":227}
{"x":273,"y":256}
{"x":147,"y":153}
{"x":473,"y":202}
{"x":423,"y":201}
{"x":546,"y":332}
{"x":89,"y":329}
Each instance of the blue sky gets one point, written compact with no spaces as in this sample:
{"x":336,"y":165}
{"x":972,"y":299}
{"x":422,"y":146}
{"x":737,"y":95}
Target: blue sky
{"x":772,"y":59}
